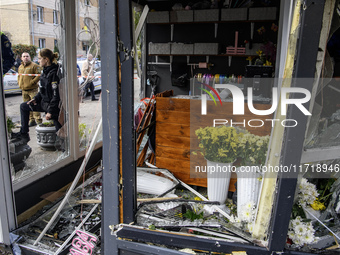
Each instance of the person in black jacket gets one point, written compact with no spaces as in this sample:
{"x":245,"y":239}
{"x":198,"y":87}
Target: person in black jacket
{"x":47,"y":100}
{"x":6,"y":53}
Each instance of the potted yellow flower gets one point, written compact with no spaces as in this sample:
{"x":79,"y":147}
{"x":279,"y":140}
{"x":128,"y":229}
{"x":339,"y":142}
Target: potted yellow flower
{"x":253,"y":149}
{"x":219,"y":146}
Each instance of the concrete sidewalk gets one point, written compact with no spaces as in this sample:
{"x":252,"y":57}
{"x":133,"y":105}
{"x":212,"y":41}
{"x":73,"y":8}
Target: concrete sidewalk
{"x":40,"y":158}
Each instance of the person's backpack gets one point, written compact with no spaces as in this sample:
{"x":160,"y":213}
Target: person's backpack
{"x":6,"y":53}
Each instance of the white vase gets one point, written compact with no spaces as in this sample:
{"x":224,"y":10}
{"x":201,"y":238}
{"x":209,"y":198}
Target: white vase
{"x":218,"y":181}
{"x":248,"y":187}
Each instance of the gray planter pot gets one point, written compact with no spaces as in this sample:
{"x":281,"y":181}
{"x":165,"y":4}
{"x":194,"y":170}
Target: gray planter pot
{"x":19,"y":154}
{"x":46,"y":136}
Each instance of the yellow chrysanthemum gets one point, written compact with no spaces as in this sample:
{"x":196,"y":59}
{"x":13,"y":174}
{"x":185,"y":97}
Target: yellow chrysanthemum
{"x":318,"y":206}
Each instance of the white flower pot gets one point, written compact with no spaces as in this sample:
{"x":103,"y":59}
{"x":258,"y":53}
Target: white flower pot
{"x":248,"y":187}
{"x":218,"y":181}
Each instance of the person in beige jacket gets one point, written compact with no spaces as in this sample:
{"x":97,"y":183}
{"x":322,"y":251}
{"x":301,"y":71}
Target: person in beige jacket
{"x":29,"y":84}
{"x":87,"y":71}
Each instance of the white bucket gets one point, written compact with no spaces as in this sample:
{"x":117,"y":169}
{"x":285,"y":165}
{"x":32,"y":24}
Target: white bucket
{"x":152,"y":184}
{"x":248,"y":187}
{"x":218,"y":181}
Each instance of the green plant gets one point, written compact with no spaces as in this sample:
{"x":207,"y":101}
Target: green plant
{"x":47,"y":124}
{"x":253,"y":149}
{"x":10,"y":125}
{"x":191,"y":215}
{"x":18,"y":49}
{"x":152,"y":227}
{"x":325,"y":190}
{"x":220,"y":144}
{"x":82,"y":130}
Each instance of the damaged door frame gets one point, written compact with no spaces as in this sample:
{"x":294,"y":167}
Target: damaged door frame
{"x":7,"y":205}
{"x":119,"y":174}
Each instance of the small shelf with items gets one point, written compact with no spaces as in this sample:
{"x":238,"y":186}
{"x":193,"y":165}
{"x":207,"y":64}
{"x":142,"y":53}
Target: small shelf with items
{"x":218,"y":41}
{"x":259,"y":14}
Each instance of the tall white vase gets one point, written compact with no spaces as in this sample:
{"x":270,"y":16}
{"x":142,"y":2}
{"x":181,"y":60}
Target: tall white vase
{"x":218,"y":181}
{"x":248,"y":187}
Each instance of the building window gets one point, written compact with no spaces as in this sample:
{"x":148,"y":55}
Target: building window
{"x":55,"y":17}
{"x":87,"y":2}
{"x":40,"y":13}
{"x":42,"y":43}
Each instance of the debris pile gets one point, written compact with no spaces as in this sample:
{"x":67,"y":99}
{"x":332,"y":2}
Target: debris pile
{"x":81,"y":212}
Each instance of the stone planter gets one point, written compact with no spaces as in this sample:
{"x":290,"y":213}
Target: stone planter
{"x":19,"y":152}
{"x":218,"y":181}
{"x":46,"y":136}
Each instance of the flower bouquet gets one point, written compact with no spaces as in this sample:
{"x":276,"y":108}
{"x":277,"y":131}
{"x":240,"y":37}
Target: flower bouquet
{"x":253,"y":149}
{"x":301,"y":232}
{"x":219,"y":146}
{"x":305,"y":211}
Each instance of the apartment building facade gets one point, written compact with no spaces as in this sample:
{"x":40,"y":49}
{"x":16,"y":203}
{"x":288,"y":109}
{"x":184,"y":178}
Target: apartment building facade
{"x":38,"y":22}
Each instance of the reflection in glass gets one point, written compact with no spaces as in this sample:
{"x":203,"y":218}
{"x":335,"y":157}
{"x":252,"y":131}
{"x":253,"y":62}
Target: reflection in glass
{"x":89,"y":71}
{"x":46,"y":147}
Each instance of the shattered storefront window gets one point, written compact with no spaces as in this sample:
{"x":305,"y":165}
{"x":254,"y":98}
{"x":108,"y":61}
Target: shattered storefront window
{"x":217,"y":207}
{"x":82,"y":212}
{"x":233,"y":207}
{"x":46,"y":146}
{"x":315,"y":217}
{"x":89,"y":80}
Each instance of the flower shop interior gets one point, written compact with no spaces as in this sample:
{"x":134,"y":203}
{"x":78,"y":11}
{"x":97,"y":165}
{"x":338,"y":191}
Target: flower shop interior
{"x":232,"y":149}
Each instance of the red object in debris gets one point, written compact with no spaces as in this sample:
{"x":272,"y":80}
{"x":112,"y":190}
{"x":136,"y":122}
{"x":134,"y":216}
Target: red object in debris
{"x":289,"y":241}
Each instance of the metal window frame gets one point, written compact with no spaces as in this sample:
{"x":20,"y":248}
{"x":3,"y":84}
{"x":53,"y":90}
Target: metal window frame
{"x":40,"y":14}
{"x":69,"y":34}
{"x":305,"y":67}
{"x":110,"y":108}
{"x":42,"y":43}
{"x":55,"y":17}
{"x":7,"y":208}
{"x":7,"y":188}
{"x":127,"y":112}
{"x":311,"y":21}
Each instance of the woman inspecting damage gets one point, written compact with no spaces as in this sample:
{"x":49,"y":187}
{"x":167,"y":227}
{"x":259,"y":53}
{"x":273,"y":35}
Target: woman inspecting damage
{"x":47,"y":100}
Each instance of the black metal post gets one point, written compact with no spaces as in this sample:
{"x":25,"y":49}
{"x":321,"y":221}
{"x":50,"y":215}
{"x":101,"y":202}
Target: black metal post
{"x":7,"y":210}
{"x":127,"y":108}
{"x":303,"y":75}
{"x":110,"y":115}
